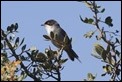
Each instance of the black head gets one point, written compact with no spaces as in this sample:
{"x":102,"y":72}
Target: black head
{"x":51,"y":22}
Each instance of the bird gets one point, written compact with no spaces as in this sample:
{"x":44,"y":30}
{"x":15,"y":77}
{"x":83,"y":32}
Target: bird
{"x":52,"y":26}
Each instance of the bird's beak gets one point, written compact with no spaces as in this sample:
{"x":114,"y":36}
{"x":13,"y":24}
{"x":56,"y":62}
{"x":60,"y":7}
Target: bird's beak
{"x":42,"y":24}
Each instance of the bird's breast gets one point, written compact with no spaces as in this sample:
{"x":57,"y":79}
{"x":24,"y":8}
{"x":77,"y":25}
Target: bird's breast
{"x":49,"y":29}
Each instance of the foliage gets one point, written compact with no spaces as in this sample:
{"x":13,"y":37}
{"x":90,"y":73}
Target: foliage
{"x":90,"y":77}
{"x":30,"y":62}
{"x":110,"y":54}
{"x":38,"y":66}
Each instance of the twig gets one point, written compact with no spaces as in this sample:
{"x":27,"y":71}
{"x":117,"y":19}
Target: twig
{"x":17,"y":58}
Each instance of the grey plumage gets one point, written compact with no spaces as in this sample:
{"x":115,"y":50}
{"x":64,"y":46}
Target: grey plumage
{"x":52,"y":25}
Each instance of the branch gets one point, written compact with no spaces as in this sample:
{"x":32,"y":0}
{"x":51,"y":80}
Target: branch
{"x":97,"y":26}
{"x":17,"y":58}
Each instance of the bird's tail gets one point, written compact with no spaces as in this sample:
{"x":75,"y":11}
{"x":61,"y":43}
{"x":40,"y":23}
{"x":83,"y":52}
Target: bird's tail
{"x":72,"y":55}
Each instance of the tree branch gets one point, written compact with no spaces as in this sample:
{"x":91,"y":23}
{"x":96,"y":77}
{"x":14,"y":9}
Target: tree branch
{"x":17,"y":58}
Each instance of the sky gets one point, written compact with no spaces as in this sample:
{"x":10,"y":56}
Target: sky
{"x":31,"y":14}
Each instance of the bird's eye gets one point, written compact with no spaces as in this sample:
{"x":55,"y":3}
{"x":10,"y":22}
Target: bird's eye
{"x":48,"y":23}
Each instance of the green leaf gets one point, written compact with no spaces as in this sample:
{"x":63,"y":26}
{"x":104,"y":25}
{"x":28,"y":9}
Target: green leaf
{"x":46,"y":37}
{"x":117,"y":40}
{"x":117,"y":31}
{"x":23,"y":47}
{"x":1,"y":46}
{"x":103,"y":74}
{"x":23,"y":58}
{"x":16,"y":26}
{"x":63,"y":61}
{"x":9,"y":28}
{"x":109,"y":69}
{"x":12,"y":25}
{"x":41,"y":57}
{"x":89,"y":34}
{"x":99,"y":49}
{"x":104,"y":55}
{"x":104,"y":69}
{"x":96,"y":55}
{"x":108,"y":49}
{"x":86,"y":20}
{"x":81,"y":19}
{"x":110,"y":59}
{"x":22,"y":76}
{"x":22,"y":41}
{"x":90,"y":21}
{"x":108,"y":21}
{"x":118,"y":71}
{"x":102,"y":10}
{"x":90,"y":77}
{"x":17,"y":41}
{"x":118,"y":53}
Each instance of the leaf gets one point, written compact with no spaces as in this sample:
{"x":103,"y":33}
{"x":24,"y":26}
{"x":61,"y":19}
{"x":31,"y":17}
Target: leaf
{"x":104,"y":68}
{"x":23,"y":58}
{"x":22,"y":76}
{"x":46,"y":37}
{"x":96,"y":55}
{"x":108,"y":21}
{"x":109,"y":69}
{"x":40,"y":57}
{"x":118,"y":71}
{"x":16,"y":26}
{"x":63,"y":61}
{"x":102,"y":10}
{"x":81,"y":19}
{"x":1,"y":46}
{"x":90,"y":77}
{"x":12,"y":25}
{"x":118,"y":53}
{"x":34,"y":65}
{"x":90,"y":21}
{"x":89,"y":34}
{"x":9,"y":28}
{"x":23,"y":47}
{"x":17,"y":41}
{"x":104,"y":55}
{"x":103,"y":74}
{"x":99,"y":49}
{"x":22,"y":41}
{"x":108,"y":49}
{"x":117,"y":40}
{"x":117,"y":31}
{"x":86,"y":20}
{"x":110,"y":60}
